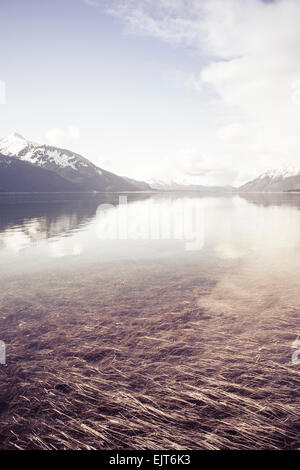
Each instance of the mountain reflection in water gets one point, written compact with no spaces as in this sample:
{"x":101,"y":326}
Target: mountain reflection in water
{"x":256,"y":229}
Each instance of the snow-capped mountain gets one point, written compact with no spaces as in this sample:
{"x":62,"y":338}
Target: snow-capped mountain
{"x":69,"y":165}
{"x":286,"y":178}
{"x":20,"y":176}
{"x":284,"y":172}
{"x":172,"y":185}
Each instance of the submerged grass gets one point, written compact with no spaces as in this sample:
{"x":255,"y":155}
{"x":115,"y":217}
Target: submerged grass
{"x":129,"y":359}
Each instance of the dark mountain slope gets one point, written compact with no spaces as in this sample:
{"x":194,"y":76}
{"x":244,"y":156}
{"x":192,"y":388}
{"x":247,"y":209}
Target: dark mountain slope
{"x":19,"y":176}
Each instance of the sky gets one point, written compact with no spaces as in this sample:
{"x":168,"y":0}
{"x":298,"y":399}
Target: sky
{"x":197,"y":91}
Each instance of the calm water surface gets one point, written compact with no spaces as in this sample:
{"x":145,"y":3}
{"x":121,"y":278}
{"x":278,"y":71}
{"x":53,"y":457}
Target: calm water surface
{"x":260,"y":232}
{"x":235,"y":257}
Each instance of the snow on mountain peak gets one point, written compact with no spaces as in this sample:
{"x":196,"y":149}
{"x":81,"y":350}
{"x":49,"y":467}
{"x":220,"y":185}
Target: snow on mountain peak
{"x":282,"y":172}
{"x":13,"y":144}
{"x":42,"y":155}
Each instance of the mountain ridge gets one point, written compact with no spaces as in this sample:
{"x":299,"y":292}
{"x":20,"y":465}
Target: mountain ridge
{"x":19,"y":176}
{"x":281,"y":179}
{"x":176,"y":186}
{"x":69,"y":165}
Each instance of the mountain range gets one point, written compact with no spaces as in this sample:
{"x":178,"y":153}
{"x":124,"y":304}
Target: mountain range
{"x":29,"y":167}
{"x":178,"y":186}
{"x":284,"y":179}
{"x":276,"y":180}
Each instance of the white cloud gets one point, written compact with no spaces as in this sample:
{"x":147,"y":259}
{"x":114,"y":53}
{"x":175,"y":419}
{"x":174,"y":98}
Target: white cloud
{"x":62,"y":137}
{"x":250,"y":49}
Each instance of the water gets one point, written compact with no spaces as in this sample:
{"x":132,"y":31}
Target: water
{"x":180,"y":303}
{"x":249,"y":246}
{"x":257,"y":232}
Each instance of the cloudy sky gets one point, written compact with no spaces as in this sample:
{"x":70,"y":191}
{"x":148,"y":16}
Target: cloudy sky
{"x":202,"y":91}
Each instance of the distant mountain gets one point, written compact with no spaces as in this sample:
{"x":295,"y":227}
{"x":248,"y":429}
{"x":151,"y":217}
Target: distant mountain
{"x":19,"y":176}
{"x":277,"y":180}
{"x":175,"y":186}
{"x":69,"y":165}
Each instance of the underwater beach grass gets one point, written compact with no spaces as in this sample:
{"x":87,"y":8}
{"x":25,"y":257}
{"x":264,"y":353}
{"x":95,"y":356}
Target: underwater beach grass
{"x":127,"y":358}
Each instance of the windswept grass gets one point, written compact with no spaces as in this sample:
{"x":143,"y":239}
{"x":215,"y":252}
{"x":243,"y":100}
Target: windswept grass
{"x":130,"y":359}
